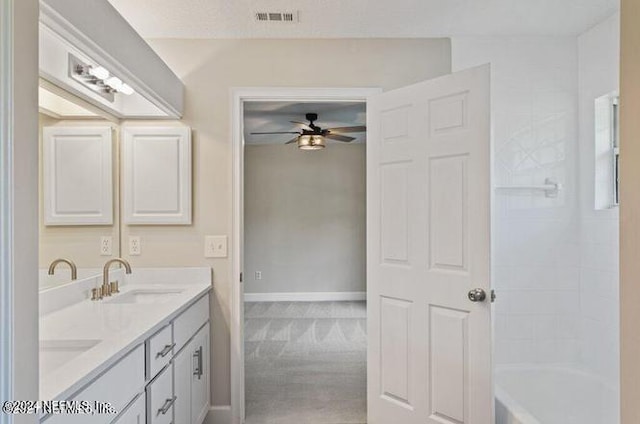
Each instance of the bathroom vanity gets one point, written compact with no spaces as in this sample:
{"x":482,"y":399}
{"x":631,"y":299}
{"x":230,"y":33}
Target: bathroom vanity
{"x":144,"y":350}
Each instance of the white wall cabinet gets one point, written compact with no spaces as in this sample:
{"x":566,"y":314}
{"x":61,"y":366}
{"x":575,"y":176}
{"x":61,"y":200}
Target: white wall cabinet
{"x":78,"y":175}
{"x":157,"y":175}
{"x":191,"y":379}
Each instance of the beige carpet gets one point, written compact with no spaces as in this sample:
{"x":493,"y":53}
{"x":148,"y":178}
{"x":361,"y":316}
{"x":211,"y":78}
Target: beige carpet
{"x":305,"y":362}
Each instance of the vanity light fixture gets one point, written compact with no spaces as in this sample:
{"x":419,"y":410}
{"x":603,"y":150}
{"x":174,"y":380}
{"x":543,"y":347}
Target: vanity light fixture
{"x":98,"y":72}
{"x":98,"y":79}
{"x":114,"y":82}
{"x":126,"y":89}
{"x":311,"y":142}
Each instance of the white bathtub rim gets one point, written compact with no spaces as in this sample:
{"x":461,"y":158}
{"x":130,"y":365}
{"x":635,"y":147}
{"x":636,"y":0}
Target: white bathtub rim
{"x":515,"y":409}
{"x":567,"y":368}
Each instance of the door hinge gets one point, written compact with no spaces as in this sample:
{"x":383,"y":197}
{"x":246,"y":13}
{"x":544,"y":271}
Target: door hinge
{"x":241,"y":277}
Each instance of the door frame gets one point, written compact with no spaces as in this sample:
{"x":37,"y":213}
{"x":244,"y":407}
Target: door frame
{"x":6,"y":189}
{"x":239,"y":95}
{"x":18,"y":204}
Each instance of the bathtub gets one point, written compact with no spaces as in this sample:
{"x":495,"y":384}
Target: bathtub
{"x":553,"y":395}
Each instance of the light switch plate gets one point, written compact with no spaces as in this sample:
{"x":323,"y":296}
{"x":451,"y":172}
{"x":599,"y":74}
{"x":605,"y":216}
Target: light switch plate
{"x":105,"y":245}
{"x":215,"y":246}
{"x":135,"y":249}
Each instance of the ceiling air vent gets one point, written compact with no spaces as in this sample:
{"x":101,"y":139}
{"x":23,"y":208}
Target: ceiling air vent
{"x":277,"y":17}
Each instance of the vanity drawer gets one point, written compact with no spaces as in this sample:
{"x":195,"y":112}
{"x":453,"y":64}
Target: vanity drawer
{"x":160,"y":398}
{"x":159,"y":351}
{"x":188,"y":323}
{"x":119,"y":385}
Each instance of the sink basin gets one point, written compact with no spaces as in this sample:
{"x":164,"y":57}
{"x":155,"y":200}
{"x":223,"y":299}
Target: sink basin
{"x":54,"y":353}
{"x":145,"y":296}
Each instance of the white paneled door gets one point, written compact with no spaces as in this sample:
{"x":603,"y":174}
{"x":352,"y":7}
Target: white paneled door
{"x":429,"y":353}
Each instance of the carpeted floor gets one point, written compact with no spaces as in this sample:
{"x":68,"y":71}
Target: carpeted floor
{"x":305,"y":362}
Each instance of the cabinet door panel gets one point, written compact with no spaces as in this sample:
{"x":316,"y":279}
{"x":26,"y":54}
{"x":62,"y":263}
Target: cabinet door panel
{"x":200,"y":394}
{"x":78,"y":179}
{"x":157,"y":175}
{"x":188,"y":323}
{"x":182,"y":370}
{"x":136,"y":414}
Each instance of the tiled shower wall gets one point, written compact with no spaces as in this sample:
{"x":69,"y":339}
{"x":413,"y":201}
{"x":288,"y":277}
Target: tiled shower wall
{"x":555,"y":259}
{"x":536,"y":238}
{"x":598,"y":53}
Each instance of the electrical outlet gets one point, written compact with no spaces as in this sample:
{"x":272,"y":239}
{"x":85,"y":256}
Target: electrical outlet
{"x":135,"y":248}
{"x":258,"y":275}
{"x":105,"y":245}
{"x":215,"y":246}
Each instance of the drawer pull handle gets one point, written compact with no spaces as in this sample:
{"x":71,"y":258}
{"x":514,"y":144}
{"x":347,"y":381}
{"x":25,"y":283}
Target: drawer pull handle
{"x":197,"y":355}
{"x":164,"y":352}
{"x":167,"y":405}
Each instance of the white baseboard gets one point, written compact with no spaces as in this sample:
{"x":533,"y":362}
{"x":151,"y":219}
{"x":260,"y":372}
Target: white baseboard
{"x":305,"y":297}
{"x":219,"y":415}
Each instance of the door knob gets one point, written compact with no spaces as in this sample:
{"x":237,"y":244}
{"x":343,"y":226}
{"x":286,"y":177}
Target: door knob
{"x":477,"y":295}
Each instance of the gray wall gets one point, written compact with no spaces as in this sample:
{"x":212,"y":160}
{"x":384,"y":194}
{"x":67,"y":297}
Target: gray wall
{"x":305,"y":219}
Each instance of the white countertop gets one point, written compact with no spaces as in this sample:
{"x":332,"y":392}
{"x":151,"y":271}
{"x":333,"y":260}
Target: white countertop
{"x":118,"y":327}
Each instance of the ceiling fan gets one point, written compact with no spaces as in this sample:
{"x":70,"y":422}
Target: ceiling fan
{"x":312,"y":137}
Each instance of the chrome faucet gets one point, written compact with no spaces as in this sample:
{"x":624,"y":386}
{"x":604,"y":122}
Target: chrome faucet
{"x":74,"y":269}
{"x":107,"y":289}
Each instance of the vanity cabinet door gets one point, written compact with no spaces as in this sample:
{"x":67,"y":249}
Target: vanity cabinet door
{"x":188,"y":323}
{"x":182,"y":369}
{"x":135,"y":414}
{"x":200,"y":376}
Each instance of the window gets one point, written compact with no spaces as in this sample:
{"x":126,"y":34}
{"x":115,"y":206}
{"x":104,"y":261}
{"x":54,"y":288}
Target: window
{"x":607,"y":151}
{"x":615,"y":144}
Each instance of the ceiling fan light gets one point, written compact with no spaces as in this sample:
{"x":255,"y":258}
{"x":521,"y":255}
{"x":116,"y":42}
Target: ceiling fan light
{"x":311,"y":142}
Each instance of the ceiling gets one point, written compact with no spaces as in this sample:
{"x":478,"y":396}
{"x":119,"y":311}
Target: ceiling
{"x":275,"y":116}
{"x":362,"y":18}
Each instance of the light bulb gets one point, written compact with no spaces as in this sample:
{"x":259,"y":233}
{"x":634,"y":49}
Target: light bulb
{"x":99,"y":72}
{"x":114,"y":82}
{"x":126,"y":89}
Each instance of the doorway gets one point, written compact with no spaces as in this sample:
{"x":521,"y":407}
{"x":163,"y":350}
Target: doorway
{"x":289,"y":307}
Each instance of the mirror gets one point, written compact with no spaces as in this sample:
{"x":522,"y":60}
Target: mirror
{"x":91,"y":236}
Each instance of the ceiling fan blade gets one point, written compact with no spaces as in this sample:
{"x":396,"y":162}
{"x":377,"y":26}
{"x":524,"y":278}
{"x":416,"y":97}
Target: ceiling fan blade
{"x":280,"y":132}
{"x":338,"y":137}
{"x":360,"y":128}
{"x":293,"y":140}
{"x":304,"y":125}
